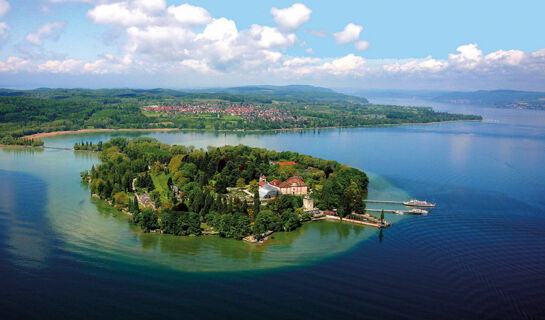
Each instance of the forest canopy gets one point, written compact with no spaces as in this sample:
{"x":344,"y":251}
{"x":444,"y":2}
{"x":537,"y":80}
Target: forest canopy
{"x":187,"y":191}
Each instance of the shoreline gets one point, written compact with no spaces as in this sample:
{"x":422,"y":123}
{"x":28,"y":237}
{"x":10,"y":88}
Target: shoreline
{"x":56,"y":133}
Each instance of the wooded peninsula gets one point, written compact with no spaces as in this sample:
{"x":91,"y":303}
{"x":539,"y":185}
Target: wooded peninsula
{"x":231,"y":191}
{"x":27,"y":112}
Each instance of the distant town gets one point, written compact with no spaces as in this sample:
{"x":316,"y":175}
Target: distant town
{"x":245,"y":111}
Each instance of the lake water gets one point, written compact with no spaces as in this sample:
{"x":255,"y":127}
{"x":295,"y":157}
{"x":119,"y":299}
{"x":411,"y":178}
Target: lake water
{"x":479,"y":254}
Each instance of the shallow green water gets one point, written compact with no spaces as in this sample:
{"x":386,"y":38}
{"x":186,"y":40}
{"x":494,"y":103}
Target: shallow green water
{"x":90,"y":227}
{"x":478,"y":254}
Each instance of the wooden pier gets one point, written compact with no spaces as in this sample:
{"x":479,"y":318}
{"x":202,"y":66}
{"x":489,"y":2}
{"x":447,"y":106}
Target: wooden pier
{"x":362,"y":222}
{"x":383,"y":201}
{"x":395,"y":211}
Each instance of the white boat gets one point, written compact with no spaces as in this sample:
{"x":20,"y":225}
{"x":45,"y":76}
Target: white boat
{"x":418,"y":203}
{"x":417,"y":211}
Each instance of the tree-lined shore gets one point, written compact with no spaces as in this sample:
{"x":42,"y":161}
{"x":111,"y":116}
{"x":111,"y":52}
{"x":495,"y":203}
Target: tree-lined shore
{"x":186,"y":191}
{"x":33,"y":113}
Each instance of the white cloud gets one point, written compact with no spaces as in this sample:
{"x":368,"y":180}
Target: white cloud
{"x":220,"y":30}
{"x":110,"y":64}
{"x":468,"y":56}
{"x":185,"y":39}
{"x":344,"y":65}
{"x":14,"y":64}
{"x":189,"y":15}
{"x":127,"y":13}
{"x":4,"y":7}
{"x":47,"y":30}
{"x":161,"y":42}
{"x":416,"y":65}
{"x":301,"y":61}
{"x":150,"y":5}
{"x":290,"y":19}
{"x":509,"y":57}
{"x":61,"y":66}
{"x":361,"y":45}
{"x":268,"y":37}
{"x":199,"y":66}
{"x":350,"y":33}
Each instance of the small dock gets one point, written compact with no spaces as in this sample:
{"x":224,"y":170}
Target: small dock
{"x":410,"y":203}
{"x":362,"y":222}
{"x":412,"y":211}
{"x":383,"y":201}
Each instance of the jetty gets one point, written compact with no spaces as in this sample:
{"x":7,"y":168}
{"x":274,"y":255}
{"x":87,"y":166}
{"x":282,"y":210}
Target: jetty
{"x":383,"y":201}
{"x":400,"y":212}
{"x":363,"y":219}
{"x":410,"y":203}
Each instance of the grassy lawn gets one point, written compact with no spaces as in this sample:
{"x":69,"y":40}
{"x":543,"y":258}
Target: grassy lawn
{"x":160,"y":182}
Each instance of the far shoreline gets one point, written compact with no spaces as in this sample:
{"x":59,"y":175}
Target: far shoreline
{"x":56,"y":133}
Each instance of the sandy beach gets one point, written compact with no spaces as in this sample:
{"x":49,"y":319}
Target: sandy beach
{"x":55,"y":133}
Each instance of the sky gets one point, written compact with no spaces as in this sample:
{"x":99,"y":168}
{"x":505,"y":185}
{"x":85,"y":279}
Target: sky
{"x":408,"y":45}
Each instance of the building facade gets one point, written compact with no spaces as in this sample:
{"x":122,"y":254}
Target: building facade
{"x":293,"y":185}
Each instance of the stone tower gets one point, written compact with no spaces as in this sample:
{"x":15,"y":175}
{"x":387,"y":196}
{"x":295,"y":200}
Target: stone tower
{"x":308,"y":203}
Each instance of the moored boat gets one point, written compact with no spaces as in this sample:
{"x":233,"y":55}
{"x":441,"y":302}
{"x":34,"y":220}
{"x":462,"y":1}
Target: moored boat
{"x":417,"y":211}
{"x":418,"y":203}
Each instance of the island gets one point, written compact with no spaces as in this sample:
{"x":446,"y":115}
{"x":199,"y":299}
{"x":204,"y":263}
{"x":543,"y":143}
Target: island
{"x":231,"y":191}
{"x":39,"y":112}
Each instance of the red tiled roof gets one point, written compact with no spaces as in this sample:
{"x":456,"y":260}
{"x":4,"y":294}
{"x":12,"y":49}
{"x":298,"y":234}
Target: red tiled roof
{"x":298,"y":181}
{"x":285,"y":163}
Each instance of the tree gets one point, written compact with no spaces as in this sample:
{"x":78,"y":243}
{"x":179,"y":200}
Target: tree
{"x":240,"y":183}
{"x":254,"y":186}
{"x":382,"y":216}
{"x":156,"y":168}
{"x":290,"y":220}
{"x":345,"y":205}
{"x":148,"y":220}
{"x":133,"y":205}
{"x":242,"y":226}
{"x":221,"y":184}
{"x":359,"y":205}
{"x":181,"y":223}
{"x":267,"y":221}
{"x":257,"y":203}
{"x":155,"y":196}
{"x":121,"y":199}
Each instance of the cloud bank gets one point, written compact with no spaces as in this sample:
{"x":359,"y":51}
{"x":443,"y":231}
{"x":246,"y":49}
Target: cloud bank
{"x":186,"y":41}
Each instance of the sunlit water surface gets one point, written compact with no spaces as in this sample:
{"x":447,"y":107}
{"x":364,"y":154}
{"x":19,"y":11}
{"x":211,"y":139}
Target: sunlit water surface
{"x":480,"y":253}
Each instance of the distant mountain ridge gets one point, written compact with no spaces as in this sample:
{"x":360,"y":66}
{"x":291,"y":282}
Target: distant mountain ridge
{"x":292,"y":91}
{"x":497,"y":98}
{"x":262,"y":93}
{"x":514,"y":99}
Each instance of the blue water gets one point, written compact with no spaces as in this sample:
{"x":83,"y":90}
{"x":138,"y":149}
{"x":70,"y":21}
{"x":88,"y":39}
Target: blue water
{"x":479,"y":254}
